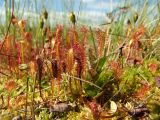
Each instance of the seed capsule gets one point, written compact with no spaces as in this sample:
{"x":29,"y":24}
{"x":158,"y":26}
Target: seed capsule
{"x":135,"y":17}
{"x":41,"y":23}
{"x":72,"y":18}
{"x":45,"y":14}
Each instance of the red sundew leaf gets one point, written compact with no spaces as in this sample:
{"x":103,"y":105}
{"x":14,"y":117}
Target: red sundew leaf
{"x":72,"y":37}
{"x":28,"y":36}
{"x":70,"y":60}
{"x":84,"y":30}
{"x":47,"y":32}
{"x":116,"y":67}
{"x":94,"y":108}
{"x":20,"y":100}
{"x":138,"y":33}
{"x":10,"y":85}
{"x":142,"y":91}
{"x":32,"y":66}
{"x":58,"y":35}
{"x":58,"y":42}
{"x":79,"y":56}
{"x":136,"y":44}
{"x":8,"y":43}
{"x":153,"y":67}
{"x":17,"y":46}
{"x":101,"y":40}
{"x":79,"y":67}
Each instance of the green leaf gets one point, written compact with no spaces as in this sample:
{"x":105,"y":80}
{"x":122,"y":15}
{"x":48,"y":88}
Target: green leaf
{"x":100,"y":63}
{"x":104,"y":77}
{"x":91,"y":91}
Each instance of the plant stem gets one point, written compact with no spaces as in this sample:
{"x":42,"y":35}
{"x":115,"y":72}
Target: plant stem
{"x":22,"y":53}
{"x":26,"y":97}
{"x":52,"y":86}
{"x":90,"y":83}
{"x":109,"y":45}
{"x":33,"y":94}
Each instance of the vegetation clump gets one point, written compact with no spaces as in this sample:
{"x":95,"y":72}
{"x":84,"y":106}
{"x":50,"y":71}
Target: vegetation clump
{"x":80,"y":72}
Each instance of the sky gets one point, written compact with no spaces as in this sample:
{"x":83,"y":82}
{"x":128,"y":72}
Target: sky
{"x":92,"y":12}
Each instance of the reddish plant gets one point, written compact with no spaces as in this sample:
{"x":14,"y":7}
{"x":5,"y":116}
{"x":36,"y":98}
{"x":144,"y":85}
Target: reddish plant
{"x":40,"y":72}
{"x":116,"y":67}
{"x":20,"y":100}
{"x":28,"y":37}
{"x":136,"y":35}
{"x":101,"y":41}
{"x":80,"y":57}
{"x":72,"y":37}
{"x":135,"y":43}
{"x":40,"y":67}
{"x":32,"y":66}
{"x":70,"y":60}
{"x":153,"y":67}
{"x":55,"y":68}
{"x":140,"y":94}
{"x":19,"y":54}
{"x":9,"y":86}
{"x":84,"y":31}
{"x":94,"y":108}
{"x":58,"y":42}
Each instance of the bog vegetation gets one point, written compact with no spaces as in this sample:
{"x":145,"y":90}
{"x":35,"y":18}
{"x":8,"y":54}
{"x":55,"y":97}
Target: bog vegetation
{"x":80,"y":72}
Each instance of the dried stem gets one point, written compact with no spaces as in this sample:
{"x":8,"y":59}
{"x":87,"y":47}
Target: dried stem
{"x":26,"y":97}
{"x":84,"y":81}
{"x":33,"y":94}
{"x":4,"y":74}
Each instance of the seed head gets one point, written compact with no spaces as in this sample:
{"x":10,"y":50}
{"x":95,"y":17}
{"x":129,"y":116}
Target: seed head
{"x":72,"y":17}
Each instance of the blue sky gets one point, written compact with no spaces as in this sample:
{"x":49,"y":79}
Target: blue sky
{"x":91,"y":11}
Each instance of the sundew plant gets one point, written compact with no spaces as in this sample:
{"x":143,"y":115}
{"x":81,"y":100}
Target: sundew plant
{"x":79,"y":59}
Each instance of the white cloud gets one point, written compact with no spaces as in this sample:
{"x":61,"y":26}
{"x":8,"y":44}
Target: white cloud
{"x":2,"y":12}
{"x":88,"y":1}
{"x":103,"y":5}
{"x":92,"y":14}
{"x":92,"y":17}
{"x":30,"y":15}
